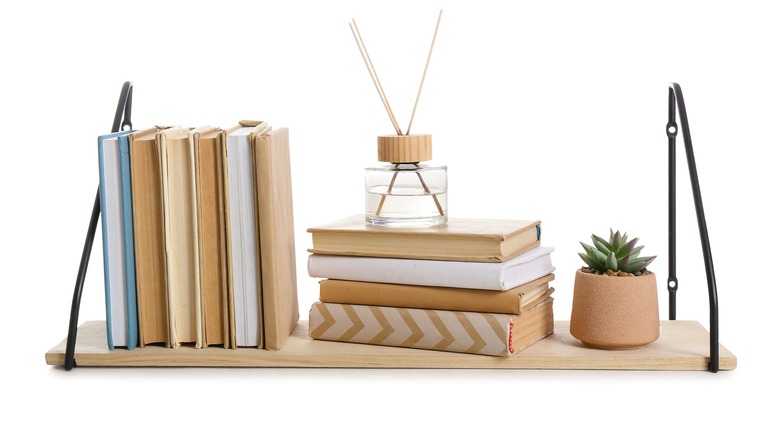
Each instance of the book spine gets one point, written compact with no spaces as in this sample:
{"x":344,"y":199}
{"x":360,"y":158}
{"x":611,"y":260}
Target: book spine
{"x":421,"y":297}
{"x":461,"y":332}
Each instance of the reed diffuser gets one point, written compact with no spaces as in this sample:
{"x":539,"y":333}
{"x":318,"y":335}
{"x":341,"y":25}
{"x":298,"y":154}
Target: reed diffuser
{"x":404,"y":193}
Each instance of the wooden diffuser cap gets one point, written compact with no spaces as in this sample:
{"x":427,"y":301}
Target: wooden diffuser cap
{"x":412,"y":148}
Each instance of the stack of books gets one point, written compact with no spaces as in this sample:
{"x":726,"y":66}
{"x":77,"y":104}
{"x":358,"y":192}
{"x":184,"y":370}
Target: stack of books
{"x":470,"y":286}
{"x":198,"y":244}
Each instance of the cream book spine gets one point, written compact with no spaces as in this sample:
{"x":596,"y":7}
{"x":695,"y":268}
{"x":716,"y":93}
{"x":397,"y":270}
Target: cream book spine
{"x":181,"y":245}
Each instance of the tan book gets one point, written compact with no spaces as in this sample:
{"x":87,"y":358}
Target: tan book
{"x":477,"y":240}
{"x":151,"y":277}
{"x":513,"y":301}
{"x":208,"y":144}
{"x":177,"y":162}
{"x":491,"y":334}
{"x":276,"y":234}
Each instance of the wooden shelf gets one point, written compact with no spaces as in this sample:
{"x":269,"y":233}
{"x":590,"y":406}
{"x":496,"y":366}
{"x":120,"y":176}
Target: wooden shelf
{"x":683,"y":345}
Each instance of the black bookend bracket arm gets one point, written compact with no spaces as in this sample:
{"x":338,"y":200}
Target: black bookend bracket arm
{"x":677,"y":104}
{"x":121,"y":121}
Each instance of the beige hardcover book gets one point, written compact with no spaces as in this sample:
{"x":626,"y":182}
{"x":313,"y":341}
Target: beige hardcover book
{"x":208,"y":144}
{"x":243,"y":243}
{"x":537,"y":324}
{"x":513,"y":301}
{"x":491,"y":334}
{"x":177,"y":161}
{"x":148,"y":222}
{"x":477,"y":240}
{"x":276,"y":232}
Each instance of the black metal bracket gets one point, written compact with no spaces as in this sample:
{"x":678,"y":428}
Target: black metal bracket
{"x":121,"y":120}
{"x":676,"y":99}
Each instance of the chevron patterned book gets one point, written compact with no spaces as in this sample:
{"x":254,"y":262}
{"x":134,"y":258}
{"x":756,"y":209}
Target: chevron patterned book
{"x":490,"y":334}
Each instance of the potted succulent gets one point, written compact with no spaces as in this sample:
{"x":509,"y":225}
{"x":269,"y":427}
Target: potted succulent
{"x":615,"y":302}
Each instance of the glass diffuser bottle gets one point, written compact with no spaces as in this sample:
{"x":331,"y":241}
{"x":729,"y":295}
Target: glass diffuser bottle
{"x":406,"y":193}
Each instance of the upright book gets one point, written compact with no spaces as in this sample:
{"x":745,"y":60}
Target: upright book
{"x":149,"y":238}
{"x":473,"y":240}
{"x":276,"y":236}
{"x":513,"y":301}
{"x":208,"y":144}
{"x":491,"y":334}
{"x":243,"y":259}
{"x":128,"y":240}
{"x":442,"y":273}
{"x":181,"y":245}
{"x":118,"y":255}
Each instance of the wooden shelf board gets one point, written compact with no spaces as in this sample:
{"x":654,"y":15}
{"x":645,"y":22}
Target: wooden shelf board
{"x":683,"y":345}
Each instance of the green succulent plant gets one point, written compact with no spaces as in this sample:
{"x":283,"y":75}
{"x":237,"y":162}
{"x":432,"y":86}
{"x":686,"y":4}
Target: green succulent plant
{"x":617,"y":254}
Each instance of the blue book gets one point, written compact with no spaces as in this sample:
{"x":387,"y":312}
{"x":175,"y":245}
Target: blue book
{"x":121,"y":321}
{"x":127,"y":227}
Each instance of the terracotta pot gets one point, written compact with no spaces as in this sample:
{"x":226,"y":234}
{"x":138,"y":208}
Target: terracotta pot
{"x":615,"y":313}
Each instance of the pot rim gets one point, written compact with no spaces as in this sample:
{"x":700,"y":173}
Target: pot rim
{"x":650,"y":274}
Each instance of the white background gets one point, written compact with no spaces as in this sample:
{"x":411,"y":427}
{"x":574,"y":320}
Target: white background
{"x":542,"y":110}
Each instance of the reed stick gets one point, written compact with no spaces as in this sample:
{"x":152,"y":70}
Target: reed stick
{"x":425,"y":71}
{"x":372,"y":72}
{"x":428,"y":191}
{"x":389,"y":189}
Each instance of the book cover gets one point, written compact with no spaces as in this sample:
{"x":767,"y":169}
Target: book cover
{"x":112,"y":226}
{"x":491,"y":334}
{"x":181,"y":245}
{"x":148,"y":223}
{"x":277,"y":236}
{"x":211,"y":215}
{"x":513,"y":301}
{"x":443,"y":273}
{"x":460,"y":239}
{"x":244,"y":260}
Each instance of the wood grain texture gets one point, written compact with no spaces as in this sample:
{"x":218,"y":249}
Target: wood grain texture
{"x":683,"y":345}
{"x":404,"y":148}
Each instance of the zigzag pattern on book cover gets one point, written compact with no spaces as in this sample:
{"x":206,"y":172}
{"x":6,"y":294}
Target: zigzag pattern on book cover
{"x":464,"y":332}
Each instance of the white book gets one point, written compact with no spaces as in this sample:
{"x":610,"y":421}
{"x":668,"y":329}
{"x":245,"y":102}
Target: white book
{"x":470,"y":275}
{"x":243,"y":237}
